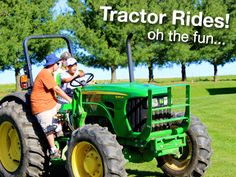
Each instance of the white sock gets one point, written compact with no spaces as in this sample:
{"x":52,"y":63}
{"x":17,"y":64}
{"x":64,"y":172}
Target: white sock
{"x":53,"y":149}
{"x":59,"y":128}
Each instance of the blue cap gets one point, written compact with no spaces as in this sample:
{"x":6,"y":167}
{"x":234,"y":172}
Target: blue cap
{"x":51,"y":59}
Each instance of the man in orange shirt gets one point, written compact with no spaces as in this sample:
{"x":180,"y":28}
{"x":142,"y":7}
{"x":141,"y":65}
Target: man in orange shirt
{"x":43,"y":99}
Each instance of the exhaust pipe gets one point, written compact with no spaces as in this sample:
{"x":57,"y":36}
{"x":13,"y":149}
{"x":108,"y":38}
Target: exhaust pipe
{"x":129,"y":55}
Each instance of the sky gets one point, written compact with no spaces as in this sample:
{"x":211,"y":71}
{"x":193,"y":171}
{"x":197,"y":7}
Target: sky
{"x":194,"y":70}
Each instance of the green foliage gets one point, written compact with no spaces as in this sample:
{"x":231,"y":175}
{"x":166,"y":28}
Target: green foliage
{"x":103,"y":40}
{"x":179,"y":52}
{"x":19,"y":19}
{"x":219,"y":54}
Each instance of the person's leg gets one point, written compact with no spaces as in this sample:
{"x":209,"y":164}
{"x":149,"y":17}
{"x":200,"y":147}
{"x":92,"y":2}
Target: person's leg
{"x":50,"y":138}
{"x":55,"y":120}
{"x":45,"y":120}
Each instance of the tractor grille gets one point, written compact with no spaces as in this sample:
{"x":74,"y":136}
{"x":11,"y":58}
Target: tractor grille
{"x":162,"y":115}
{"x":137,"y":115}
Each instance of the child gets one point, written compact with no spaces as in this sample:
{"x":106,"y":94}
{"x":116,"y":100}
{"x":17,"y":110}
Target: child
{"x":62,"y":67}
{"x":68,"y":75}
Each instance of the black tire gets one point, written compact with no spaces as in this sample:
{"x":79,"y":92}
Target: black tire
{"x":107,"y":148}
{"x":32,"y":156}
{"x":196,"y":157}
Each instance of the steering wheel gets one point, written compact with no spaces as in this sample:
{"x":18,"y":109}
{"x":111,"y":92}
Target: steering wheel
{"x":80,"y":82}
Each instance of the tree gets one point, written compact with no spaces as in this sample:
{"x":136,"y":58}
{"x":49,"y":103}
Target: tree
{"x":103,"y":41}
{"x":224,"y":50}
{"x":231,"y":9}
{"x":181,"y":50}
{"x":150,"y":52}
{"x":19,"y":19}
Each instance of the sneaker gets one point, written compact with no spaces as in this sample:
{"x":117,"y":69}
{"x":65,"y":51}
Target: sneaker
{"x":59,"y":128}
{"x":55,"y":154}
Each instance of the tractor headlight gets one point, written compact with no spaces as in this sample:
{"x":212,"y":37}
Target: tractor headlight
{"x":159,"y":102}
{"x":165,"y":101}
{"x":155,"y":102}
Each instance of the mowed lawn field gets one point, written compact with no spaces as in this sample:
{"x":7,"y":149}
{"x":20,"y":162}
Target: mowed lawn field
{"x":215,"y":105}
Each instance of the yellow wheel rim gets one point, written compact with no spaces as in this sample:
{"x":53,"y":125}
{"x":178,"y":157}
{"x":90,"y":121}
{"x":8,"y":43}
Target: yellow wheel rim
{"x":86,"y":161}
{"x":179,"y":164}
{"x":10,"y":148}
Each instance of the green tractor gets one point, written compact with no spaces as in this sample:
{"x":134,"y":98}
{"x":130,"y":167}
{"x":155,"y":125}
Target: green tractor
{"x":104,"y":125}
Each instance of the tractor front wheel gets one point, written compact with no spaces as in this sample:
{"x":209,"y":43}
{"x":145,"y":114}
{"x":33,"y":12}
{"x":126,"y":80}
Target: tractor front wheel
{"x":94,"y":152}
{"x":195,"y":158}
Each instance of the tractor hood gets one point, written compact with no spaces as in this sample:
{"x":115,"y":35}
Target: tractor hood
{"x":125,"y":89}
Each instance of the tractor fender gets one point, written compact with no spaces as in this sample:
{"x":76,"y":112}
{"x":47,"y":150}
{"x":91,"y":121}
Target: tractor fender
{"x":19,"y":97}
{"x":105,"y":112}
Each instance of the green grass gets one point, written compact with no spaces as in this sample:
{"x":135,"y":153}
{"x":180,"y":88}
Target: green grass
{"x":6,"y":89}
{"x":215,"y":105}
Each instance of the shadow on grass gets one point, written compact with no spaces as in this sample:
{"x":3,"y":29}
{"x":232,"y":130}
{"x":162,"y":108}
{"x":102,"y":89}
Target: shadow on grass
{"x":60,"y":170}
{"x":225,"y":79}
{"x":139,"y":173}
{"x":220,"y":91}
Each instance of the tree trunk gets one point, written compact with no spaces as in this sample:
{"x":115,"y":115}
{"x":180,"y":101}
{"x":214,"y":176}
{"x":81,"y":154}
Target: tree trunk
{"x":17,"y":78}
{"x":113,"y":74}
{"x":183,"y":71}
{"x":150,"y":71}
{"x":215,"y":72}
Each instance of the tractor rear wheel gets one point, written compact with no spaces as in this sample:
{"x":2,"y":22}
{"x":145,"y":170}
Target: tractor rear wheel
{"x":94,"y":152}
{"x":196,"y":155}
{"x":21,"y":153}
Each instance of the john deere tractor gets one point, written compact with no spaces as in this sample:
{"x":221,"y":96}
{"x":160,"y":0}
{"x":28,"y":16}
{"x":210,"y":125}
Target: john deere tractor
{"x":104,"y":125}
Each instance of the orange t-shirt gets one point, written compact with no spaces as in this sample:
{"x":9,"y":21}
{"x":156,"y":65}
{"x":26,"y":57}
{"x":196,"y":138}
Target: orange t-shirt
{"x":43,"y":96}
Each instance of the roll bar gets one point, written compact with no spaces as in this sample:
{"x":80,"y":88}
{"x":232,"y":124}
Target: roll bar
{"x":28,"y":67}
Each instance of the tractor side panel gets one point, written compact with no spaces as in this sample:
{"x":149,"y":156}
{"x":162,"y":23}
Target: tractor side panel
{"x":107,"y":110}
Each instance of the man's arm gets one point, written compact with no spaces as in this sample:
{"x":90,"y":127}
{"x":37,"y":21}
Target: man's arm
{"x":62,"y":94}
